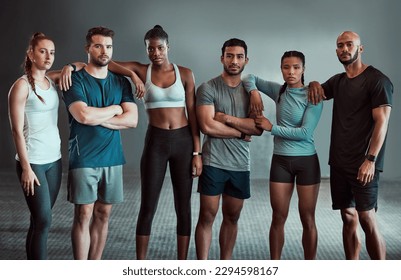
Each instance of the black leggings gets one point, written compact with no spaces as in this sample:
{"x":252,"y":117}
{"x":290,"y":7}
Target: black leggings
{"x":161,"y":147}
{"x":40,"y":205}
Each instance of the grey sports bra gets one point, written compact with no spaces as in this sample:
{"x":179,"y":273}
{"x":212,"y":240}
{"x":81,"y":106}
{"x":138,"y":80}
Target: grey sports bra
{"x":157,"y":97}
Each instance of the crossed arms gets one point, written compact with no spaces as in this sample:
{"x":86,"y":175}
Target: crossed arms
{"x":220,"y":125}
{"x":113,"y":117}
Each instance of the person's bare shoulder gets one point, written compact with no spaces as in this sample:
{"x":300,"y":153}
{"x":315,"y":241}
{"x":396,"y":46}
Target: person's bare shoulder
{"x":185,"y":73}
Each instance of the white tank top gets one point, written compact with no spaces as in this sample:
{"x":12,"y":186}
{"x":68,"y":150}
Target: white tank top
{"x":157,"y":97}
{"x":40,"y":125}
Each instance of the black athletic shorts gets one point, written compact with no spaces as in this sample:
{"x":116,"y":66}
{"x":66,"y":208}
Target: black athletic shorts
{"x":216,"y":181}
{"x":304,"y":169}
{"x":347,"y":191}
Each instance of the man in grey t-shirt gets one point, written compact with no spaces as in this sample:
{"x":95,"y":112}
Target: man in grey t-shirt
{"x":223,"y":116}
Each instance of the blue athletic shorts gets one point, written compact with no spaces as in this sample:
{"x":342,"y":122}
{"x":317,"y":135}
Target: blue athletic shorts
{"x":216,"y":181}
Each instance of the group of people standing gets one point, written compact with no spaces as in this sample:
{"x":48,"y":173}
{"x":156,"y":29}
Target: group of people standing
{"x":228,"y":111}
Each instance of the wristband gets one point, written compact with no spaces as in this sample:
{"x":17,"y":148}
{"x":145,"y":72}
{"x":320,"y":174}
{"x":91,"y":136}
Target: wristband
{"x":370,"y":157}
{"x":197,"y":153}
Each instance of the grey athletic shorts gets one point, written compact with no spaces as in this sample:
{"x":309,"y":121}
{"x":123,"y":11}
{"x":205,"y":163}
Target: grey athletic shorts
{"x":87,"y":185}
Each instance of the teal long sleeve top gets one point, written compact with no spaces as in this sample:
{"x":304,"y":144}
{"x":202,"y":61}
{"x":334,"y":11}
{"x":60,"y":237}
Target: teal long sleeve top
{"x":296,"y":117}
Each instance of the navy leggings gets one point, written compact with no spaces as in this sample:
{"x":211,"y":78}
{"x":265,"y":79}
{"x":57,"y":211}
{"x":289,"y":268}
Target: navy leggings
{"x":162,"y":147}
{"x":40,"y":205}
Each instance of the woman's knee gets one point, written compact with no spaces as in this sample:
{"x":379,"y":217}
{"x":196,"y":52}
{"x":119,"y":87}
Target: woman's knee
{"x":184,"y":223}
{"x":279,"y":217}
{"x":308,"y":221}
{"x":42,"y":222}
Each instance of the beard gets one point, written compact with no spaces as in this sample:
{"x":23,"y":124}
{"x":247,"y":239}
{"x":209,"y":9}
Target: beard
{"x":351,"y":60}
{"x":100,"y":62}
{"x":233,"y":72}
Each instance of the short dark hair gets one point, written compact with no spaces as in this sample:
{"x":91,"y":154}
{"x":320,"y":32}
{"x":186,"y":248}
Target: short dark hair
{"x":157,"y":32}
{"x":234,"y":42}
{"x":98,"y":30}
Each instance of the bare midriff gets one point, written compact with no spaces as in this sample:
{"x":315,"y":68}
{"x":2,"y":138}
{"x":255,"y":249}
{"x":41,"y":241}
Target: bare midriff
{"x":167,"y":118}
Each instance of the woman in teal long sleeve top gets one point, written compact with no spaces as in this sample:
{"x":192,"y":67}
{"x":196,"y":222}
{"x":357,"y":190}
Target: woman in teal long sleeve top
{"x":294,"y":154}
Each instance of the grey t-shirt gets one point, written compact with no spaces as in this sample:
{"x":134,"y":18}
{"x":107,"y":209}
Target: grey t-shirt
{"x":230,"y":154}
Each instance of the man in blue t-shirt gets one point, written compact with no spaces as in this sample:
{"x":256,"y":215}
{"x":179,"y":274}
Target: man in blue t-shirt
{"x":99,"y":104}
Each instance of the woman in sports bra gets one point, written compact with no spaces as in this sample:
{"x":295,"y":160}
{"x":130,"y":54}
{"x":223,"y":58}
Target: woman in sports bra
{"x":33,"y":110}
{"x":172,"y":137}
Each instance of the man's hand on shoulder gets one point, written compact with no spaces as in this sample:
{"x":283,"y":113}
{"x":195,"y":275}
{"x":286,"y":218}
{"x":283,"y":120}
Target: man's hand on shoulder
{"x":315,"y":92}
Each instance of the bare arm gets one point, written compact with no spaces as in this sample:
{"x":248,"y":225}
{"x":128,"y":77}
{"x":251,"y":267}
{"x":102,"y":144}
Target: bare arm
{"x":63,"y":77}
{"x":381,"y":116}
{"x":212,"y":127}
{"x":132,"y":69}
{"x":188,"y":80}
{"x":16,"y":108}
{"x":315,"y":92}
{"x":128,"y":119}
{"x":244,"y":125}
{"x":87,"y":115}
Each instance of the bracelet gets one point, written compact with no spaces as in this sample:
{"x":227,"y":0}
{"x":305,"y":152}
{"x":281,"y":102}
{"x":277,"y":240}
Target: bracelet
{"x":197,"y":153}
{"x":371,"y":158}
{"x":74,"y":68}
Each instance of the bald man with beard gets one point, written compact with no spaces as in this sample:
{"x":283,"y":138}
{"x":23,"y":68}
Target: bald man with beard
{"x":362,"y":101}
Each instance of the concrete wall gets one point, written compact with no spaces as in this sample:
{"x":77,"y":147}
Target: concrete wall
{"x":197,"y":30}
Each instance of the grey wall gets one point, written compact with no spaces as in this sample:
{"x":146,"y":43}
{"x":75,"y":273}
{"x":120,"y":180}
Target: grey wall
{"x":197,"y":29}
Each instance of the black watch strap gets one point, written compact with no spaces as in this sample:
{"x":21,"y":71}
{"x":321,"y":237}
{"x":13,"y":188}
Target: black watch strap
{"x":371,"y":158}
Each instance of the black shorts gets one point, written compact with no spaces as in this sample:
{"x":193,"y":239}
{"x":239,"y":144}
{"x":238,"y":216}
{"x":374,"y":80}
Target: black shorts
{"x":216,"y":181}
{"x":304,"y":169}
{"x":347,"y":191}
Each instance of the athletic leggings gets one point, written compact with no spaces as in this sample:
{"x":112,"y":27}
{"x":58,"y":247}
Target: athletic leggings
{"x":40,"y":205}
{"x":162,"y":147}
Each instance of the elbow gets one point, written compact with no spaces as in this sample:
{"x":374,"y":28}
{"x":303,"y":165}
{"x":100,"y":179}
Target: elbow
{"x":305,"y":135}
{"x":82,"y":116}
{"x":16,"y":133}
{"x":132,"y":119}
{"x":84,"y":119}
{"x":133,"y":123}
{"x":206,"y":130}
{"x":132,"y":116}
